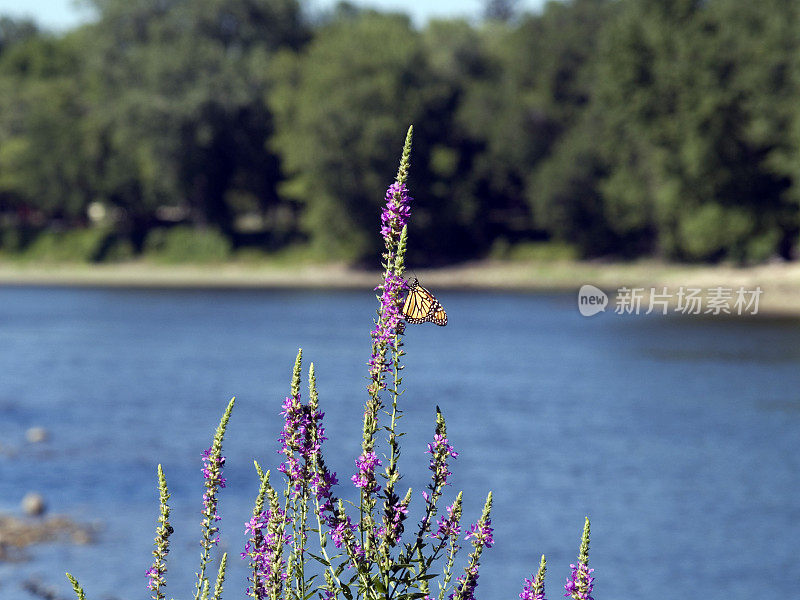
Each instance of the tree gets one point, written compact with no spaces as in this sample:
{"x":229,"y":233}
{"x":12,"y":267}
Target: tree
{"x":42,"y":107}
{"x":180,"y":117}
{"x":13,"y":31}
{"x":341,"y":109}
{"x":528,"y":91}
{"x":695,"y":110}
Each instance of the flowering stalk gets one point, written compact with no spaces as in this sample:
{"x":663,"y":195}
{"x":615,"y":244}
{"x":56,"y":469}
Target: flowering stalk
{"x":325,"y":507}
{"x":309,"y":478}
{"x":155,"y":574}
{"x":264,"y":548}
{"x":441,"y":451}
{"x":213,"y":461}
{"x":77,"y":587}
{"x":448,"y":532}
{"x":580,"y":584}
{"x":385,"y":339}
{"x":394,"y":511}
{"x":480,"y":534}
{"x":220,"y":577}
{"x":534,"y":588}
{"x":298,"y":444}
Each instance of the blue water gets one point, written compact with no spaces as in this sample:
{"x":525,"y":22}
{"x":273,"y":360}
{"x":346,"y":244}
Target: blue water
{"x":678,"y":437}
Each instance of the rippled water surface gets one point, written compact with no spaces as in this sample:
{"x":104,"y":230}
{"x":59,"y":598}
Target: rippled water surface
{"x":680,"y":438}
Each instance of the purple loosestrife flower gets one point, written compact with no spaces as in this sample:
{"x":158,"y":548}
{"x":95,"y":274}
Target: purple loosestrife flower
{"x":440,"y":450}
{"x":342,"y":534}
{"x":581,"y":583}
{"x":155,"y":574}
{"x":534,"y":588}
{"x":395,"y":214}
{"x":448,"y":526}
{"x":394,"y":218}
{"x":395,"y":513}
{"x":212,"y":473}
{"x":365,"y":478}
{"x":466,"y":584}
{"x":481,"y":534}
{"x":322,"y":483}
{"x":386,"y":328}
{"x":213,"y":461}
{"x":385,"y":340}
{"x":392,"y":288}
{"x":154,"y":579}
{"x":264,"y":551}
{"x":481,"y":537}
{"x":301,"y":440}
{"x":529,"y":592}
{"x":339,"y":530}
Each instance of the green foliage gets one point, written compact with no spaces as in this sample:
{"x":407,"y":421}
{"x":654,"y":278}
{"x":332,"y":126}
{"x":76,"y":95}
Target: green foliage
{"x":628,"y":128}
{"x":533,"y":251}
{"x":185,"y":244}
{"x":41,"y":115}
{"x":75,"y":245}
{"x":177,"y":105}
{"x":118,"y":249}
{"x":338,"y":109}
{"x":695,"y":159}
{"x":13,"y":31}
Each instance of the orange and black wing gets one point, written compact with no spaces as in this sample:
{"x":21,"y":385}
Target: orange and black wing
{"x":421,"y":306}
{"x":437,"y":315}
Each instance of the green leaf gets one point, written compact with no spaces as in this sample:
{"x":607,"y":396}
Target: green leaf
{"x":319,"y":559}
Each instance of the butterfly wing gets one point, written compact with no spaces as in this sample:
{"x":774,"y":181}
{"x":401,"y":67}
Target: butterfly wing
{"x":437,"y":315}
{"x":421,"y":306}
{"x":418,"y":304}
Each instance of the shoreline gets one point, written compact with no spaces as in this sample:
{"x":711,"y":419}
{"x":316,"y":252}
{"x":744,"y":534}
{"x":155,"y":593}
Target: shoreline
{"x":780,"y":282}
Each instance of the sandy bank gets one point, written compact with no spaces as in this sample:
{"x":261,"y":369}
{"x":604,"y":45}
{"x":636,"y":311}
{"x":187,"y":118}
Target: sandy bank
{"x":780,"y":282}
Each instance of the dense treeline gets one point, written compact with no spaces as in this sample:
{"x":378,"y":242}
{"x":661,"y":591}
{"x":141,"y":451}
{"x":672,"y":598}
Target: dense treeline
{"x":665,"y":128}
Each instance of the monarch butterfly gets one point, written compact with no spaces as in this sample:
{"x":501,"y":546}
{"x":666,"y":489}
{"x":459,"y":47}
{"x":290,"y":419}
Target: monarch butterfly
{"x":421,"y":306}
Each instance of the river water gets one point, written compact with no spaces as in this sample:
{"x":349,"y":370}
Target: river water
{"x":678,"y":437}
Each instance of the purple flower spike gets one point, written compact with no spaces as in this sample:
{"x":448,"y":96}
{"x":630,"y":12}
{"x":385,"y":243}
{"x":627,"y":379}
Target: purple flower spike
{"x":396,"y":512}
{"x":301,"y":442}
{"x":481,"y":534}
{"x":388,"y":323}
{"x":440,"y":450}
{"x":529,"y":592}
{"x":581,"y":583}
{"x":365,"y":478}
{"x":448,"y":526}
{"x":534,"y":587}
{"x":396,"y":213}
{"x":264,"y":551}
{"x":153,"y":578}
{"x":212,"y":473}
{"x":468,"y":582}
